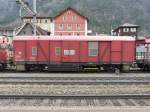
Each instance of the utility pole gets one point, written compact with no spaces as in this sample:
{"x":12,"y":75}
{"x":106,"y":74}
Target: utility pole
{"x":34,"y":16}
{"x":24,"y":5}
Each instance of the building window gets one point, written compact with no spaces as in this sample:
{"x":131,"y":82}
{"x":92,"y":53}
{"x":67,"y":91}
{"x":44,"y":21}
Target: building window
{"x":78,"y":34}
{"x":9,"y":33}
{"x":40,"y":21}
{"x":74,"y":18}
{"x":69,"y":34}
{"x":61,"y":26}
{"x":93,"y":48}
{"x":58,"y":51}
{"x":69,"y":12}
{"x":125,"y":29}
{"x":78,"y":26}
{"x":69,"y":26}
{"x":48,"y":33}
{"x":24,"y":32}
{"x":64,"y":18}
{"x":133,"y":29}
{"x":34,"y":51}
{"x":45,"y":20}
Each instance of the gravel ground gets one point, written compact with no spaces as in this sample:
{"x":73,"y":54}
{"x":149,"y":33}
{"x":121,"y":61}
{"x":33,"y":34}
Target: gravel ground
{"x":74,"y":89}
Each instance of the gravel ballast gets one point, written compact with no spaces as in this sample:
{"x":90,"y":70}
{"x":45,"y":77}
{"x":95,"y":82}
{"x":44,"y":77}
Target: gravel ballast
{"x":73,"y":89}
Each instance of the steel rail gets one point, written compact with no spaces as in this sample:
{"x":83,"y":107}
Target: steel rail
{"x":77,"y":82}
{"x":126,"y":96}
{"x":73,"y":78}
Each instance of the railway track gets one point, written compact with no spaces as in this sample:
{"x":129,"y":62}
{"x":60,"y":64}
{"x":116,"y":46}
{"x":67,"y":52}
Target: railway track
{"x":41,"y":100}
{"x":126,"y":96}
{"x":75,"y":80}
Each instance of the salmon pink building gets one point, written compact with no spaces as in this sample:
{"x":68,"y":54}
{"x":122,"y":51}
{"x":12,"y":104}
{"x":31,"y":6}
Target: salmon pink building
{"x":70,"y":22}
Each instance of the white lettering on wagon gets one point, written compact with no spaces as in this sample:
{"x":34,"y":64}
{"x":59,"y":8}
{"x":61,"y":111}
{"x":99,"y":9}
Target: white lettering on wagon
{"x":69,"y":52}
{"x":19,"y":53}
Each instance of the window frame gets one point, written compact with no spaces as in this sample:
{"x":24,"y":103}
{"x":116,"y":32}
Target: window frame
{"x":40,"y":21}
{"x":46,"y":21}
{"x":91,"y":49}
{"x":74,"y":17}
{"x":69,"y":26}
{"x":78,"y":26}
{"x":24,"y":32}
{"x":126,"y":30}
{"x":61,"y":26}
{"x":34,"y":53}
{"x":57,"y":51}
{"x":133,"y":29}
{"x":64,"y":18}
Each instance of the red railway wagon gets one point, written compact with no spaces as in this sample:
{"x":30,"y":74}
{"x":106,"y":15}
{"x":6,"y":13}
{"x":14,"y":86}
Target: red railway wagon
{"x":3,"y":58}
{"x":73,"y":53}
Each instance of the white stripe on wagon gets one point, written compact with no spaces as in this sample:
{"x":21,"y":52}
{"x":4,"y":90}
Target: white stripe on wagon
{"x":77,"y":38}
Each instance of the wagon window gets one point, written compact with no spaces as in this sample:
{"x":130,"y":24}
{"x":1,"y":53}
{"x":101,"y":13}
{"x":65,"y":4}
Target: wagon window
{"x":34,"y":51}
{"x":93,"y":48}
{"x":57,"y":51}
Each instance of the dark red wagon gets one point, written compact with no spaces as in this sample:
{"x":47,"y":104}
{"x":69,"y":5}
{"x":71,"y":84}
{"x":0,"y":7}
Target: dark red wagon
{"x":73,"y":53}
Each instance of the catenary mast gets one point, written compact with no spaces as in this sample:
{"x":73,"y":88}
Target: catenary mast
{"x":24,"y":5}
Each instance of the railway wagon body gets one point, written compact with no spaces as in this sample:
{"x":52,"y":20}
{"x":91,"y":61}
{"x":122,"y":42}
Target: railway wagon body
{"x":4,"y":51}
{"x":73,"y":53}
{"x":143,"y":54}
{"x":3,"y":58}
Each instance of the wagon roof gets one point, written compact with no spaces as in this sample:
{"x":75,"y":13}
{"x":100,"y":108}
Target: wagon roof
{"x":77,"y":38}
{"x":143,"y":41}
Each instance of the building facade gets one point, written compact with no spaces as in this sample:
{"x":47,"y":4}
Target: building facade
{"x":126,"y":30}
{"x":44,"y":22}
{"x":67,"y":22}
{"x":7,"y":31}
{"x":70,"y":22}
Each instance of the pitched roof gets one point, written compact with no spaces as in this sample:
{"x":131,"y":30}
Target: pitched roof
{"x":38,"y":16}
{"x":11,"y":26}
{"x":129,"y":25}
{"x":126,"y":25}
{"x":40,"y":31}
{"x":69,"y":8}
{"x":59,"y":13}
